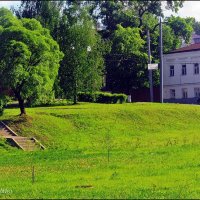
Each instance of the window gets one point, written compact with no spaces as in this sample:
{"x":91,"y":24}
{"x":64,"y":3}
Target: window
{"x":171,"y":70}
{"x":197,"y":92}
{"x":172,"y":94}
{"x":184,"y":71}
{"x":196,"y":68}
{"x":185,"y":93}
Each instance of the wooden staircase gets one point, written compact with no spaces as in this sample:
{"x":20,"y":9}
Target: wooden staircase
{"x":24,"y":143}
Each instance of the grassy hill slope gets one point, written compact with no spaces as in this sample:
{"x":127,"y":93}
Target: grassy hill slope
{"x":105,"y":151}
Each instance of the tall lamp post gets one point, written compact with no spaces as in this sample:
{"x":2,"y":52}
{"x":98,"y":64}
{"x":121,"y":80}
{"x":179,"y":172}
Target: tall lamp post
{"x":161,"y":62}
{"x":150,"y":70}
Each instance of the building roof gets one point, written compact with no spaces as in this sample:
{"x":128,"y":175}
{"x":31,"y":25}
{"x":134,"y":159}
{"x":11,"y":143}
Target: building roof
{"x":191,"y":47}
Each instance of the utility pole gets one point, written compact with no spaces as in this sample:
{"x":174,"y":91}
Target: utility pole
{"x":161,"y":62}
{"x":150,"y":70}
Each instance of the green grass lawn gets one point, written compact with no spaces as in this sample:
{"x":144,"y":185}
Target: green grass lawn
{"x":105,"y":151}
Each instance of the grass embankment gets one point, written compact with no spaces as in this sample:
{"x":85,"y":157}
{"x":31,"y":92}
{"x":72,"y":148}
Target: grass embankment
{"x":105,"y":151}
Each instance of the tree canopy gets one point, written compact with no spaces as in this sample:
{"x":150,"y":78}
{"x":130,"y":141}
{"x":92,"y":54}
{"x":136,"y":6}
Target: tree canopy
{"x":29,"y":58}
{"x":124,"y":26}
{"x":82,"y":66}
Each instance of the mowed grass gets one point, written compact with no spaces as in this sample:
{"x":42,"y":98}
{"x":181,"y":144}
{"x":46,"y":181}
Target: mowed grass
{"x":103,"y":151}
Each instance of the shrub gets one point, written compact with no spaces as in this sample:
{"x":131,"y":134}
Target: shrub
{"x":86,"y":97}
{"x":1,"y":107}
{"x":102,"y":97}
{"x":3,"y":102}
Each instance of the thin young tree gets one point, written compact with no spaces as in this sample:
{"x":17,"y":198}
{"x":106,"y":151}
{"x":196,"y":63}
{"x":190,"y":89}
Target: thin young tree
{"x":82,"y":66}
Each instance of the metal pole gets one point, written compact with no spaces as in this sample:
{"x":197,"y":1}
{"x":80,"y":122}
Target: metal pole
{"x":150,"y":70}
{"x":161,"y":62}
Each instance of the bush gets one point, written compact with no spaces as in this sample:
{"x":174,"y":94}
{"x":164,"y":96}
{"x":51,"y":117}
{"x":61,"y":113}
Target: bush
{"x":45,"y":99}
{"x":3,"y":102}
{"x":1,"y":107}
{"x":86,"y":97}
{"x":102,"y":97}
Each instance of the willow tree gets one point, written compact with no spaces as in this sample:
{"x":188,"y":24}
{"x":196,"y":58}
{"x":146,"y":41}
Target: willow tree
{"x":29,"y":58}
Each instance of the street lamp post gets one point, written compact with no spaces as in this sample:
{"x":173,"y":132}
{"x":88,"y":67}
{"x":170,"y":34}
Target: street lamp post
{"x":161,"y":62}
{"x":150,"y":70}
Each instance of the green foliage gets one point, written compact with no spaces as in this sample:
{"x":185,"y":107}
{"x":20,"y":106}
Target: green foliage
{"x":125,"y":73}
{"x":2,"y":104}
{"x":4,"y":100}
{"x":127,"y":41}
{"x":125,"y":23}
{"x":82,"y":66}
{"x":126,"y":62}
{"x":181,"y":27}
{"x":110,"y":98}
{"x":87,"y":96}
{"x":29,"y":57}
{"x":51,"y":102}
{"x":48,"y":13}
{"x":101,"y":97}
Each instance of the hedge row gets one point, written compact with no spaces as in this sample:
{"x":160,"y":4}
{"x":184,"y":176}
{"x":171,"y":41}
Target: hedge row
{"x":101,"y":97}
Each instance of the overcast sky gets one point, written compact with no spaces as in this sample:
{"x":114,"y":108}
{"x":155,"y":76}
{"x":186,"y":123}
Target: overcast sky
{"x":7,"y":4}
{"x":190,"y":8}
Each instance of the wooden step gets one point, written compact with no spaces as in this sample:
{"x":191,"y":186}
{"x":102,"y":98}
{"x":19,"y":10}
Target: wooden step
{"x":24,"y":143}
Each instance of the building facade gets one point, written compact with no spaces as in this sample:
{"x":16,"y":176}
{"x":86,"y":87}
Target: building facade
{"x":181,"y":70}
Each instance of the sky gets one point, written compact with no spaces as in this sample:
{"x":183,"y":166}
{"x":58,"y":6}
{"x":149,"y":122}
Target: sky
{"x":190,"y":8}
{"x":7,"y":4}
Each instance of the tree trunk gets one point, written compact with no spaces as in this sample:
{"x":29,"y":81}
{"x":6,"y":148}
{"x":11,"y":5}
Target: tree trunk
{"x":75,"y":92}
{"x":21,"y":106}
{"x":21,"y":103}
{"x":75,"y":99}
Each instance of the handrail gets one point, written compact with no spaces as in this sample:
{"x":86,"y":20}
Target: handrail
{"x":36,"y":141}
{"x":9,"y":129}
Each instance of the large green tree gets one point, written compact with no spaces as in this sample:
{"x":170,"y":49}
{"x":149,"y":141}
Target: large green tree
{"x":29,"y":58}
{"x":124,"y":64}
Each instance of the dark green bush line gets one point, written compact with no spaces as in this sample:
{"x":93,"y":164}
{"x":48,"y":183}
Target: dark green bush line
{"x":101,"y":97}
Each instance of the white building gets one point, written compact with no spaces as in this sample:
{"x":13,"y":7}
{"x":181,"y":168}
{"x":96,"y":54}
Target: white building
{"x":181,"y":72}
